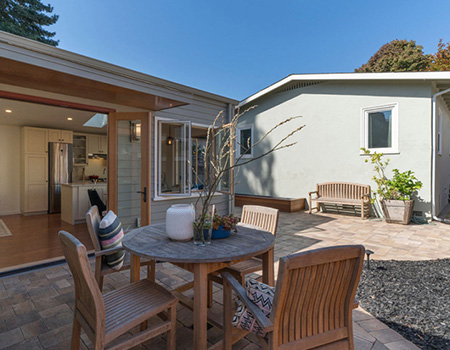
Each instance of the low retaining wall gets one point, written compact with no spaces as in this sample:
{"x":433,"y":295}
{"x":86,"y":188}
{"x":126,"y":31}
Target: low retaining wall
{"x":288,"y":205}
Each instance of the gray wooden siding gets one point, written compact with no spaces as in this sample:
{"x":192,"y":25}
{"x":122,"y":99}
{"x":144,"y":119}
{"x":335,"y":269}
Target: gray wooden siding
{"x":201,"y":111}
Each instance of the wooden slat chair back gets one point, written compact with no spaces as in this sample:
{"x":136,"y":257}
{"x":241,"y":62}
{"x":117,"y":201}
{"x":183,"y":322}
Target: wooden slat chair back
{"x":262,"y":217}
{"x":89,"y":307}
{"x":312,"y":306}
{"x":101,"y":268}
{"x":106,"y":317}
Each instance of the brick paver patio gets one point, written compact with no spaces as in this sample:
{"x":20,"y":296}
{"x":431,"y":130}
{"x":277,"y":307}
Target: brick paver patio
{"x":36,"y":307}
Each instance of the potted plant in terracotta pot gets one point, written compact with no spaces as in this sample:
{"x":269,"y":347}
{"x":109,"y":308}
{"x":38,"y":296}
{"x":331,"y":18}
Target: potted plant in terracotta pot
{"x":395,"y":194}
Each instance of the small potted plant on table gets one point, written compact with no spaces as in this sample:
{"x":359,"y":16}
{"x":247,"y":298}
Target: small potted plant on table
{"x":395,"y":194}
{"x":223,"y":225}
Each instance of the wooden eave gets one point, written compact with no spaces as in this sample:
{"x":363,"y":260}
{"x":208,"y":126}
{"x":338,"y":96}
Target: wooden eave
{"x":26,"y":75}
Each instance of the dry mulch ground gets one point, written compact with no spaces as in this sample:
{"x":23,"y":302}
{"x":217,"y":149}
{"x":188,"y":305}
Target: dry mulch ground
{"x":411,"y":297}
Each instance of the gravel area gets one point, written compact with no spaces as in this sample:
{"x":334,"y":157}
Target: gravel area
{"x":411,"y":297}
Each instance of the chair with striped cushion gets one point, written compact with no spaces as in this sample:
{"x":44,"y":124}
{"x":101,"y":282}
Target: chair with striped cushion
{"x":312,"y":304}
{"x":101,"y":267}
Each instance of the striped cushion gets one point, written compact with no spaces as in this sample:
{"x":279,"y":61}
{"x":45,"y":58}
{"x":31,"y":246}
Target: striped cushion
{"x":110,"y":234}
{"x":262,"y":295}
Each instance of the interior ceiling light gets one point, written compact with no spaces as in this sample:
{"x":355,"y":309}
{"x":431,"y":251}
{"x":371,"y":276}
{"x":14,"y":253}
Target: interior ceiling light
{"x":97,"y":121}
{"x":8,"y":111}
{"x":69,"y":118}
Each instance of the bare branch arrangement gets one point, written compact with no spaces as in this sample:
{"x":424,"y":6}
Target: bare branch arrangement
{"x":220,"y":161}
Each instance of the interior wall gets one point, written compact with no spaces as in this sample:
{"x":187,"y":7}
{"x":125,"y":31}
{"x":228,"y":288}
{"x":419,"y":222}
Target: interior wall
{"x":94,"y":167}
{"x":9,"y":170}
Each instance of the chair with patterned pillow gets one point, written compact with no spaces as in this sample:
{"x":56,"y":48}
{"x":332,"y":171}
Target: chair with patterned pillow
{"x":101,"y":267}
{"x":262,"y":217}
{"x":104,"y":318}
{"x":309,"y":308}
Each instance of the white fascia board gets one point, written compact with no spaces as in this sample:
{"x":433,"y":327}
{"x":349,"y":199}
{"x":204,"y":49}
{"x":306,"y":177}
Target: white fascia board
{"x":47,"y":56}
{"x":391,"y":76}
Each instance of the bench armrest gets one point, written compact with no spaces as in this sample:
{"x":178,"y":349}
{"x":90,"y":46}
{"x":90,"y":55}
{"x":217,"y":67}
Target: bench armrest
{"x":110,"y":251}
{"x":263,"y":321}
{"x":314,"y":192}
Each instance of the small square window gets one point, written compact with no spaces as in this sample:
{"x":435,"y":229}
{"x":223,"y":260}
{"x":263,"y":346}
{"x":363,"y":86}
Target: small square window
{"x":379,"y":129}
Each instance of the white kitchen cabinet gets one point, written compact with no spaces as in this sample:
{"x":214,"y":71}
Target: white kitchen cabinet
{"x":65,"y":136}
{"x":35,"y":183}
{"x":97,"y":144}
{"x":35,"y":140}
{"x":34,"y":170}
{"x":80,"y":152}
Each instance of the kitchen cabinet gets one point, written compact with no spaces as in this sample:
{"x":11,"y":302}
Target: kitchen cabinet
{"x":97,"y":144}
{"x":65,"y":136}
{"x":34,"y":140}
{"x":75,"y":200}
{"x":80,"y":152}
{"x":34,"y":170}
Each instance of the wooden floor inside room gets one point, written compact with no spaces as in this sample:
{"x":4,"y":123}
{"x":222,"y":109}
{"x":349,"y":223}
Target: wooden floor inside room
{"x":35,"y":239}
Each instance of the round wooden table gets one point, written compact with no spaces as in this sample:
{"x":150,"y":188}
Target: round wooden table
{"x":152,"y":242}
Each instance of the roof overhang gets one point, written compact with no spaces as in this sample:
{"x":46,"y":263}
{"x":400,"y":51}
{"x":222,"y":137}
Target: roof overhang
{"x":30,"y":64}
{"x":440,"y":79}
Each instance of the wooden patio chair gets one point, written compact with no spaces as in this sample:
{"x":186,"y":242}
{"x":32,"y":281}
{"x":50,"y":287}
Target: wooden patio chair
{"x":101,"y":268}
{"x":313,"y":301}
{"x":106,"y":317}
{"x":262,"y":217}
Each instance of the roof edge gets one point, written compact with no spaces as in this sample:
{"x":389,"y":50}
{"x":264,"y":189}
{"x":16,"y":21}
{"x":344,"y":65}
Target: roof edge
{"x":65,"y":55}
{"x":401,"y":76}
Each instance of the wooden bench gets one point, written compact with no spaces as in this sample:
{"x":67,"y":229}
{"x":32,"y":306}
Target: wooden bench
{"x":342,"y":193}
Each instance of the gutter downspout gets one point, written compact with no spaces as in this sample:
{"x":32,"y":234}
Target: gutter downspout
{"x":433,"y":156}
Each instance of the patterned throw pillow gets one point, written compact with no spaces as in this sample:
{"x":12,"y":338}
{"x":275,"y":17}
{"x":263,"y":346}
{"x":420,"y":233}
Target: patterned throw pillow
{"x":110,"y":234}
{"x":262,"y":295}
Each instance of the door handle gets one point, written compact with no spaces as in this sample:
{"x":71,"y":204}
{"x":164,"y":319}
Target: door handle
{"x":144,"y":193}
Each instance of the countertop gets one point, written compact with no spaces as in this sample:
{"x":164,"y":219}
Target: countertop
{"x":86,"y":183}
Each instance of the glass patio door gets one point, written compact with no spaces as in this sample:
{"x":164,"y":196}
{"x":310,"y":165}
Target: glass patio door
{"x":129,"y":168}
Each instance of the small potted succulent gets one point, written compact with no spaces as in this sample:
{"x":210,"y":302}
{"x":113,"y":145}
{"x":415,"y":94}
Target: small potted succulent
{"x":396,"y":193}
{"x":223,"y":225}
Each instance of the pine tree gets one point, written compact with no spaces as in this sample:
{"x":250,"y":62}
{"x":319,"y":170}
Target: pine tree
{"x":397,"y":56}
{"x":27,"y":18}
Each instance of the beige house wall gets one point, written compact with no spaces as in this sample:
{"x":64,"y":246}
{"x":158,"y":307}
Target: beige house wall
{"x":328,"y":148}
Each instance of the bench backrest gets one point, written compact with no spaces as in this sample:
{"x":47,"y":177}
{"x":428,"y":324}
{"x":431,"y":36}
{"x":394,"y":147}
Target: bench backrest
{"x":345,"y":190}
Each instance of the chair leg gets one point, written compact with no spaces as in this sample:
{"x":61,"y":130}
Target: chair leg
{"x":76,"y":333}
{"x":227,"y":316}
{"x":210,"y":291}
{"x":171,"y":334}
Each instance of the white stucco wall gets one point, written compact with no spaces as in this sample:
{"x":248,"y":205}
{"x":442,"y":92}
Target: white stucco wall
{"x":328,"y":148}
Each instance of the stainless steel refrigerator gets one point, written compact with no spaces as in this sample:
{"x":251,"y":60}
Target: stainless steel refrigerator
{"x":60,"y":171}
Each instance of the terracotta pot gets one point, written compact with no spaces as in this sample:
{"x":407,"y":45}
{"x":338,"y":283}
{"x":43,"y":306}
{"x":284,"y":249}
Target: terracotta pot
{"x":397,"y":211}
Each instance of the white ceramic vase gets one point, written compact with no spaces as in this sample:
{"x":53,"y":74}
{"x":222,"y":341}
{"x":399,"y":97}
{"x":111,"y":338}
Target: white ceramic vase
{"x":179,"y":222}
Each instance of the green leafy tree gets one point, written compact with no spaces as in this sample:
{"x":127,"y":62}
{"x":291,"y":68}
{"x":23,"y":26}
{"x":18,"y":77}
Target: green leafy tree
{"x":441,"y":59}
{"x":397,"y":56}
{"x":27,"y":18}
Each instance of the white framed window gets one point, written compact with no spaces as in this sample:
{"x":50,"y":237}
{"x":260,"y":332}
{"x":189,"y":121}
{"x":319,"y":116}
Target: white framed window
{"x":379,"y":128}
{"x":172,"y":157}
{"x":182,"y":165}
{"x":244,"y":140}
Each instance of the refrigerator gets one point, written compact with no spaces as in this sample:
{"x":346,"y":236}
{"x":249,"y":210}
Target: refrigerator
{"x":60,"y":163}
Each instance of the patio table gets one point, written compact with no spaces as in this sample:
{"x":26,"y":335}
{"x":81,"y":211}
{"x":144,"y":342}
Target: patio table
{"x":152,"y":242}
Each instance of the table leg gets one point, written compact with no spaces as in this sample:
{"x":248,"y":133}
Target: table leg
{"x":135,"y":268}
{"x":268,"y":268}
{"x":200,"y":306}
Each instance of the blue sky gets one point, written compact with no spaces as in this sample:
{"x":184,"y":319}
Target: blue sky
{"x":236,"y":48}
